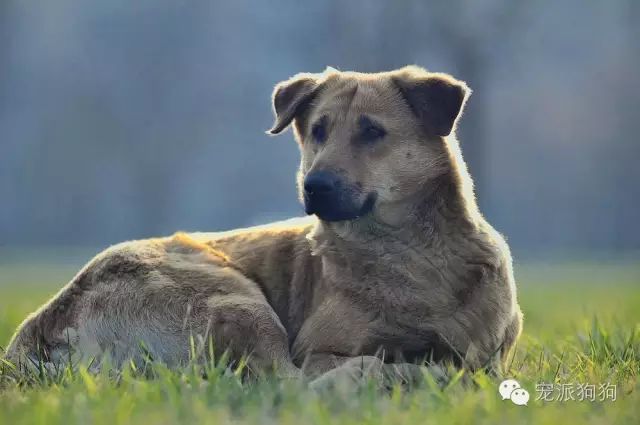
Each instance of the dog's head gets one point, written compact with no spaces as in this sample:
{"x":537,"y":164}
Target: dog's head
{"x":368,"y":141}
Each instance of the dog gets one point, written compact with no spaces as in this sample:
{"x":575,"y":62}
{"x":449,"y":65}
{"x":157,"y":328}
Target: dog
{"x":395,"y":267}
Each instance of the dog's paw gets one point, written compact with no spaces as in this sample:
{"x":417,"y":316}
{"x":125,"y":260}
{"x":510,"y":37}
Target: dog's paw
{"x":351,"y":375}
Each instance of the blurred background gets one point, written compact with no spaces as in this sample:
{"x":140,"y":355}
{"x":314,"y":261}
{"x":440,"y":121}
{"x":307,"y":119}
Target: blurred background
{"x":122,"y":120}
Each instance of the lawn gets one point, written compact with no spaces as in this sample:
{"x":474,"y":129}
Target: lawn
{"x":581,"y":331}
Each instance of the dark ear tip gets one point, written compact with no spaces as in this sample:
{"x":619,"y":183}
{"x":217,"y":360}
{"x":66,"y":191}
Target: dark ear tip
{"x":274,"y":131}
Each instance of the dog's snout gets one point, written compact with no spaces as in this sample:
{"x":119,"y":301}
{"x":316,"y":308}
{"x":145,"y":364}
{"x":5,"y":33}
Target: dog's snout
{"x":320,"y":182}
{"x":323,"y":195}
{"x":330,"y":196}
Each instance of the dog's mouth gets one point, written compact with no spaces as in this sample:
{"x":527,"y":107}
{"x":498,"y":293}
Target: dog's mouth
{"x":340,"y":209}
{"x":368,"y":204}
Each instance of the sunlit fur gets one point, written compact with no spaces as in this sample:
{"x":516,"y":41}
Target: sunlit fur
{"x":423,"y":276}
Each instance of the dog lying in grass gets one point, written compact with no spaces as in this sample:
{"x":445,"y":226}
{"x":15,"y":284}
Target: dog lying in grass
{"x":397,"y":267}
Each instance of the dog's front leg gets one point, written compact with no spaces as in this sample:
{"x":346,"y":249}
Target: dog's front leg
{"x":353,"y":372}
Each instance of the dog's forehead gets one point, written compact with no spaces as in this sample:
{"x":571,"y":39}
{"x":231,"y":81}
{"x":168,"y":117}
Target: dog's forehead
{"x":353,"y":93}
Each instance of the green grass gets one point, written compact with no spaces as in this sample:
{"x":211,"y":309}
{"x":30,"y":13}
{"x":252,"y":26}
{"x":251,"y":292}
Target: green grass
{"x":582,"y":326}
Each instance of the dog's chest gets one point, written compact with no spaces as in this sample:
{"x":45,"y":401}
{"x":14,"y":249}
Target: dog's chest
{"x":386,"y":308}
{"x":406,"y":284}
{"x":343,"y":327}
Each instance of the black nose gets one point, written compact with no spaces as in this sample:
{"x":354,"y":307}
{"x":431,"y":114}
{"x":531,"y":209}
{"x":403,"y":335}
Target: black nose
{"x":320,"y":182}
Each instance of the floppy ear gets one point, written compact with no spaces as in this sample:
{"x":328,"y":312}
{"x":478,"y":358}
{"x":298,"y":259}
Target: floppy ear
{"x":436,"y":99}
{"x":289,"y":99}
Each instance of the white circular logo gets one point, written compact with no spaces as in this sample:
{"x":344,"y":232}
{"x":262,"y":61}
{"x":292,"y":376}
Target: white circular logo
{"x":511,"y":389}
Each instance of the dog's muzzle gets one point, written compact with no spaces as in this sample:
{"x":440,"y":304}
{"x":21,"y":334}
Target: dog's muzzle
{"x":327,"y":196}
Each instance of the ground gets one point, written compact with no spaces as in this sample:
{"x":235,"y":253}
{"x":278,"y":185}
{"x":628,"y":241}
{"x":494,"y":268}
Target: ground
{"x":581,"y":330}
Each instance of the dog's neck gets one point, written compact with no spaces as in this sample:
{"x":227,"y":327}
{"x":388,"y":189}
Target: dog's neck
{"x":440,"y":208}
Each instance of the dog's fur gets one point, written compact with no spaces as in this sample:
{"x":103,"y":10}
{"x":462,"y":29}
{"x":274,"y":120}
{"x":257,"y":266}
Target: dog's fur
{"x":418,"y":275}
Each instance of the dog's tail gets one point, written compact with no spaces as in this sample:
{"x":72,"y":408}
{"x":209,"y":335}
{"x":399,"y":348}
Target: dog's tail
{"x":42,"y":339}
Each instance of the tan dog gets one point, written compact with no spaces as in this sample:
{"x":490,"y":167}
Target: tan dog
{"x":399,"y":262}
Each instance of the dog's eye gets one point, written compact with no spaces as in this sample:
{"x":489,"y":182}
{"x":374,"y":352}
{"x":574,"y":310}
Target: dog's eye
{"x":319,"y":132}
{"x":370,"y":131}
